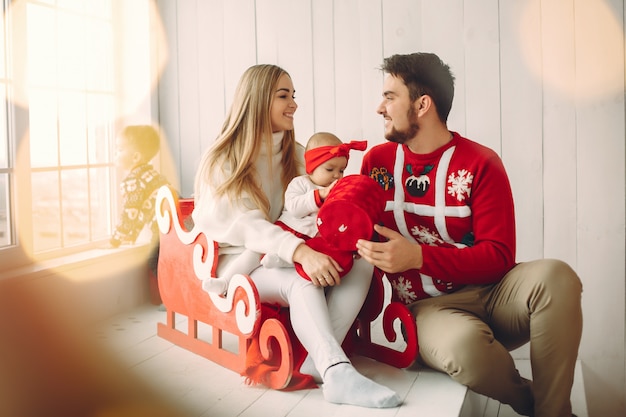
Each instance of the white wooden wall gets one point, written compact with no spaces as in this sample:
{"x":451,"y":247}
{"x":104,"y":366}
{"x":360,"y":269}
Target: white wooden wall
{"x":540,"y":82}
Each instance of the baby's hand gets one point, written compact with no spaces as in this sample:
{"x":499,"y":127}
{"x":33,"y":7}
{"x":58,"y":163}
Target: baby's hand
{"x":326,"y":190}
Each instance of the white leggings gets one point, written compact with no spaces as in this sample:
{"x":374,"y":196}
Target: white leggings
{"x":320,"y":318}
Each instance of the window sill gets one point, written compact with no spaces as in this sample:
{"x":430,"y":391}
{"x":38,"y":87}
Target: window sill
{"x":104,"y":282}
{"x":65,"y":264}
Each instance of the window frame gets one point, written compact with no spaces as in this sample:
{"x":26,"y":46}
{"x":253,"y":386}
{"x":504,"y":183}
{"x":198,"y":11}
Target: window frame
{"x":17,"y":253}
{"x":21,"y":252}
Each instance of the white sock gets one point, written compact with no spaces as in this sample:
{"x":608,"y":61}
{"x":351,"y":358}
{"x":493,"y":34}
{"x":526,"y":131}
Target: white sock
{"x":344,"y":385}
{"x":215,"y":285}
{"x":272,"y":260}
{"x":308,"y":367}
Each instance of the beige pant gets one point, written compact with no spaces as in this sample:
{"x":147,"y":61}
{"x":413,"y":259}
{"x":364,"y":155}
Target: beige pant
{"x":468,"y":335}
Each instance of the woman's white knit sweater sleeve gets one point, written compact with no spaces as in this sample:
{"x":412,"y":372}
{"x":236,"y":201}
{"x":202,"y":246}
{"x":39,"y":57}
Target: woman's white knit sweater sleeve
{"x":240,"y":225}
{"x":237,"y":228}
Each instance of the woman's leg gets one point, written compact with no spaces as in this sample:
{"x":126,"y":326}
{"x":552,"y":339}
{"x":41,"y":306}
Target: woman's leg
{"x":229,"y":265}
{"x":312,"y":325}
{"x":345,"y":300}
{"x":307,"y":310}
{"x":344,"y":303}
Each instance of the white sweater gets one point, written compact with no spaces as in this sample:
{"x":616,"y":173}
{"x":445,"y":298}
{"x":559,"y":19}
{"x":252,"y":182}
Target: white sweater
{"x":237,"y":226}
{"x":300,"y":212}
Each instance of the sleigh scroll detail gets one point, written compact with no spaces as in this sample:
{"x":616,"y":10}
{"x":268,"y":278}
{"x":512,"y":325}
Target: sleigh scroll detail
{"x":187,"y":257}
{"x":267,"y":351}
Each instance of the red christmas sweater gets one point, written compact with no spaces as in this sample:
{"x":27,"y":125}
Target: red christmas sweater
{"x":457,"y":204}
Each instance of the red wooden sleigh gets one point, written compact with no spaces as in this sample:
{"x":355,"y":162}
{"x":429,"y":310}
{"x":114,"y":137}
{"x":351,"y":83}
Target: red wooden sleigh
{"x":188,"y":256}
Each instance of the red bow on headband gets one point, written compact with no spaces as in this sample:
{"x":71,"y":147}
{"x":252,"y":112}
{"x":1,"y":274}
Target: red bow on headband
{"x":317,"y":156}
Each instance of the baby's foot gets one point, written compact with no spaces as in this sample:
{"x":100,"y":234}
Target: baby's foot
{"x":272,"y":260}
{"x":215,"y":285}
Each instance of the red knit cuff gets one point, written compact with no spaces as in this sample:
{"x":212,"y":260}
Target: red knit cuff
{"x":318,"y":198}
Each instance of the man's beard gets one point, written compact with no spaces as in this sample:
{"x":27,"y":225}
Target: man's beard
{"x":401,"y":137}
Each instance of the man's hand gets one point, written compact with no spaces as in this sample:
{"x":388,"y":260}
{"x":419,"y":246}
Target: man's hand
{"x":397,"y":254}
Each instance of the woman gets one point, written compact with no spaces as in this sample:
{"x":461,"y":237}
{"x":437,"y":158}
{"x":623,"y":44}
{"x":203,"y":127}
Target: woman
{"x":239,"y":192}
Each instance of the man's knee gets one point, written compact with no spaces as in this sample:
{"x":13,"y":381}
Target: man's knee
{"x":555,"y":297}
{"x":459,"y":352}
{"x":559,"y":277}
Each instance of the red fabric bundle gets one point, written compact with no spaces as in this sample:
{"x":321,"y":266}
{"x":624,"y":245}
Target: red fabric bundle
{"x":353,"y":207}
{"x":349,"y":213}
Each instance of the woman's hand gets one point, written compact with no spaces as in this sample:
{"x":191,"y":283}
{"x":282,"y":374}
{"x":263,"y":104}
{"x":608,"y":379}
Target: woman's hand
{"x":321,"y":268}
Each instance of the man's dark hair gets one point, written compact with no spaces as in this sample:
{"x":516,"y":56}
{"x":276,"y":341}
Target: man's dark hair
{"x":424,"y":73}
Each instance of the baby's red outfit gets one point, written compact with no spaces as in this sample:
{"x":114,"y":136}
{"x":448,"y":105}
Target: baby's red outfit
{"x":349,"y":213}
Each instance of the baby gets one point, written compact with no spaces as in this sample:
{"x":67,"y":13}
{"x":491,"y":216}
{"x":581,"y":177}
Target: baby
{"x":326,"y":158}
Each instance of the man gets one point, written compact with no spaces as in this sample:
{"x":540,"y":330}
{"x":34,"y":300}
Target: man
{"x":448,"y":248}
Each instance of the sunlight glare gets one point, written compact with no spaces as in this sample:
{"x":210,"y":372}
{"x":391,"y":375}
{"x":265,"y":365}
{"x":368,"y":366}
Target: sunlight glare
{"x":589,"y":61}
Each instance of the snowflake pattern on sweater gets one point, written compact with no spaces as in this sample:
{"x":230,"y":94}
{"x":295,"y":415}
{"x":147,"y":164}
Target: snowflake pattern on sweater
{"x":457,"y":204}
{"x":460,"y":184}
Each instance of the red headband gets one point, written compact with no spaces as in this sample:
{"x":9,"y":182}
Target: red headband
{"x":317,"y":156}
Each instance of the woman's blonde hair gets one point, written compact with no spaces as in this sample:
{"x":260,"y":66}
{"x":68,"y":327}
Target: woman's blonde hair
{"x":247,"y":128}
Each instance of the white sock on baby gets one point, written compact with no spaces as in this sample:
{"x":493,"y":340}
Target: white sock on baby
{"x":344,"y":385}
{"x":272,"y":260}
{"x":215,"y":285}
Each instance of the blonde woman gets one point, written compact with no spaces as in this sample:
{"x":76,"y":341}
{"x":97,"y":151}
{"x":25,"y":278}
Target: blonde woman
{"x":239,"y":192}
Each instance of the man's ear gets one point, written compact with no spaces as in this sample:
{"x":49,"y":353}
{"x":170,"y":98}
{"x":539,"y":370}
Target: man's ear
{"x":423,"y":104}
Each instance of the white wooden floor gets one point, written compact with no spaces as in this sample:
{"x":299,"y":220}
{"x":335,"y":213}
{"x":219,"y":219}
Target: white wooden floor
{"x":201,"y":388}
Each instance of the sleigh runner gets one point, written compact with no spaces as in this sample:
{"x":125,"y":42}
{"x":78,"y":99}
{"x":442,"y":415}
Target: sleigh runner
{"x":267,"y":350}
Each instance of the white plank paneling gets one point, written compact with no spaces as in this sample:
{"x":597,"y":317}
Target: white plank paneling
{"x":323,"y":51}
{"x":441,"y":34}
{"x":211,"y":94}
{"x":401,"y":34}
{"x":401,"y":27}
{"x":240,"y":50}
{"x":347,"y":69}
{"x":522,"y":120}
{"x":189,"y":104}
{"x":168,"y":87}
{"x":559,"y":130}
{"x":600,"y":189}
{"x":296,"y":55}
{"x":482,"y":74}
{"x":371,"y":36}
{"x":271,"y":20}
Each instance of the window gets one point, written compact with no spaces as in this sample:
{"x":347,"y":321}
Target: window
{"x":60,"y":78}
{"x":6,"y":161}
{"x":71,"y":109}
